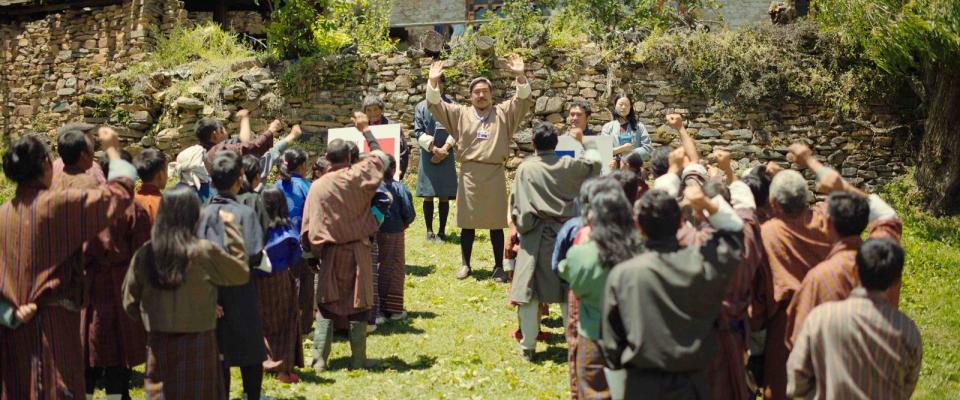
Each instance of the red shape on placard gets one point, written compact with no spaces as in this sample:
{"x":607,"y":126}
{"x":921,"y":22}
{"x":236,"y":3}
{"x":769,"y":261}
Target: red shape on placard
{"x":387,"y":145}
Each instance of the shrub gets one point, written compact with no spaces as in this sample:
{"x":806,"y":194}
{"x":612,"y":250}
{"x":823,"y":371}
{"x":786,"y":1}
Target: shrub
{"x":304,"y":28}
{"x":756,"y":63}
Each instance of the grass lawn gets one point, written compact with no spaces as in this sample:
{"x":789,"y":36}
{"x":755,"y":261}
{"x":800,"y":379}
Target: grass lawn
{"x":455,"y":344}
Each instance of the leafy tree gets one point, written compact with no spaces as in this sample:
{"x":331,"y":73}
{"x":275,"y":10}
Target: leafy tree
{"x":917,"y":40}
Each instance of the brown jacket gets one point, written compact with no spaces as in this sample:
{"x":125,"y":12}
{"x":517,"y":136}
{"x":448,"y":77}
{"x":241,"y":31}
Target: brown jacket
{"x":192,"y":306}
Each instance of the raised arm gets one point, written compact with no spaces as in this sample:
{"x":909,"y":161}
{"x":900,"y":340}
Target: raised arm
{"x":518,"y":106}
{"x":446,"y":114}
{"x":675,"y":121}
{"x":245,"y":132}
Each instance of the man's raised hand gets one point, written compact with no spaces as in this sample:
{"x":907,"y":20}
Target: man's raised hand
{"x":515,"y":63}
{"x":800,"y":154}
{"x":436,"y":71}
{"x":675,"y":121}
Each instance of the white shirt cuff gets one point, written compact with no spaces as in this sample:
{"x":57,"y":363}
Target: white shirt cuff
{"x":741,"y":196}
{"x":669,"y":183}
{"x":879,"y":209}
{"x":725,"y":219}
{"x":433,"y":95}
{"x":523,"y":91}
{"x":451,"y":141}
{"x":425,"y":141}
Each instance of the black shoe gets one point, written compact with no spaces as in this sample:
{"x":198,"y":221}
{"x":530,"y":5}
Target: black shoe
{"x":442,"y":237}
{"x":431,"y":237}
{"x":499,"y":275}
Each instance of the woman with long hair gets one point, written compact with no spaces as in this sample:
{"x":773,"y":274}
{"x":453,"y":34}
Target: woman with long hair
{"x":172,"y":287}
{"x":625,"y":128}
{"x":277,"y":287}
{"x":614,"y":238}
{"x":294,"y":185}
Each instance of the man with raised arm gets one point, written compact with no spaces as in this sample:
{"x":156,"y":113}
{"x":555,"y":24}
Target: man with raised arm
{"x":482,"y":132}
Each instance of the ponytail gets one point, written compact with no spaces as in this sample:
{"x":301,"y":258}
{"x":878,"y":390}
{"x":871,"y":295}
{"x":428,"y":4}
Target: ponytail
{"x":293,"y":159}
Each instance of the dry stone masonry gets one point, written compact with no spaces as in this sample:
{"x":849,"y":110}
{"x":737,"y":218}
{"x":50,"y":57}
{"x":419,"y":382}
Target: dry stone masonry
{"x":51,"y":63}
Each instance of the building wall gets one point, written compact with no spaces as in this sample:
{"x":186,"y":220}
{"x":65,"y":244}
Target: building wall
{"x":741,"y":12}
{"x":412,"y":11}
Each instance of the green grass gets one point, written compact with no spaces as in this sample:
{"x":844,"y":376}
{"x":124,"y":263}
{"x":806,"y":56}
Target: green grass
{"x":455,"y":344}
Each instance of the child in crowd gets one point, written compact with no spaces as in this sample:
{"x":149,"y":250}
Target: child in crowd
{"x":390,"y":241}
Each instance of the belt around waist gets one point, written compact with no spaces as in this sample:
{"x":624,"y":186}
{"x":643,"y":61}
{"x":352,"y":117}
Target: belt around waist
{"x":502,"y":163}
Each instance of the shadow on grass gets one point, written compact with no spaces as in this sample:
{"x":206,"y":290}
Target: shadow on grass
{"x":420,"y":270}
{"x":397,"y":327}
{"x":557,"y":354}
{"x":392,"y":363}
{"x":308,"y":375}
{"x":556,"y":322}
{"x":481,"y":274}
{"x":451,"y":237}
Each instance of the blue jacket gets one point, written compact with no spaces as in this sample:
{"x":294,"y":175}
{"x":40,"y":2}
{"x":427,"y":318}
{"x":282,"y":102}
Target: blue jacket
{"x":401,"y":211}
{"x":295,"y":190}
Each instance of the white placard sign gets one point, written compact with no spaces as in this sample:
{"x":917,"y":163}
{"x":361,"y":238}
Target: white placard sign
{"x":570,"y":147}
{"x":387,"y":135}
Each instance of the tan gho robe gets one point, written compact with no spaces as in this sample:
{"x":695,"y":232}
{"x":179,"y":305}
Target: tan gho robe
{"x":543,"y":199}
{"x":482,"y":184}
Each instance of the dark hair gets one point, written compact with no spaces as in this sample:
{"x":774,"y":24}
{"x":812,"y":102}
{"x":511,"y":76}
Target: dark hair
{"x":713,"y":189}
{"x":205,"y":129}
{"x":251,"y":171}
{"x":319,"y":167}
{"x":125,"y":156}
{"x":71,"y":145}
{"x":173,"y":237}
{"x":23,"y":161}
{"x":149,"y":163}
{"x":759,"y":184}
{"x":391,"y":169}
{"x":849,"y":212}
{"x":629,"y":182}
{"x":879,"y":263}
{"x":292,"y":159}
{"x":544,"y":137}
{"x":225,"y":169}
{"x":612,"y":226}
{"x":583,"y":105}
{"x":634,"y":162}
{"x":354,"y":152}
{"x":631,"y":116}
{"x":338,"y":151}
{"x":275,"y":204}
{"x":659,"y":215}
{"x":660,"y":161}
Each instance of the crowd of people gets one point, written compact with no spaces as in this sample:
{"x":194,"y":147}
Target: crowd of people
{"x":705,"y":283}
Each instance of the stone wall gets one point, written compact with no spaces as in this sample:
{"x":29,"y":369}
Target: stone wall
{"x":48,"y":62}
{"x":869,"y":152}
{"x":248,"y":22}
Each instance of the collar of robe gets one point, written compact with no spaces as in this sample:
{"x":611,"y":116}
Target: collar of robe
{"x":221,"y":198}
{"x":337,"y":167}
{"x":851,"y":243}
{"x":29,"y":188}
{"x":483,"y":119}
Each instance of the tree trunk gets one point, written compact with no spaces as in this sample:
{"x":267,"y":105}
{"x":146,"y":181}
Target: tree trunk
{"x":938,"y":165}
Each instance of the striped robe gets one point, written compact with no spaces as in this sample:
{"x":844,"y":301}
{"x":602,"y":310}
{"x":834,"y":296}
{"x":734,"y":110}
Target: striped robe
{"x":835,"y":277}
{"x":337,"y":225}
{"x":40,"y":232}
{"x":110,"y":338}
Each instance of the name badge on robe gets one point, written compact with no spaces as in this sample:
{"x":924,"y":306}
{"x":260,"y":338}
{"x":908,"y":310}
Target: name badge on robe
{"x":483,"y":135}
